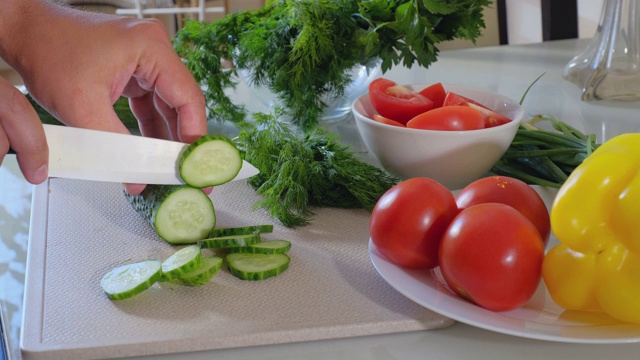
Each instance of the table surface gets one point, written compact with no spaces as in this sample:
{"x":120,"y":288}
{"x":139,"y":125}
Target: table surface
{"x":506,"y":69}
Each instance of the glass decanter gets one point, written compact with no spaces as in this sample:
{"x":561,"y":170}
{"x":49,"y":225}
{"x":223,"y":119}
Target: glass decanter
{"x":609,"y":67}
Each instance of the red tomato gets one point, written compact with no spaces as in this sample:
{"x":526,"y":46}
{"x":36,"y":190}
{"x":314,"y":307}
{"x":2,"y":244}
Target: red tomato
{"x":448,"y":118}
{"x":491,"y":118}
{"x":512,"y":192}
{"x":492,"y":256}
{"x":435,"y":93}
{"x":408,"y":221}
{"x":384,"y":120}
{"x":397,"y":102}
{"x":456,"y":99}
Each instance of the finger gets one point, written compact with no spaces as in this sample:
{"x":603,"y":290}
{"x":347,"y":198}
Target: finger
{"x":22,"y":130}
{"x":150,"y":121}
{"x":134,"y":189}
{"x":95,"y":111}
{"x":161,"y":71}
{"x":169,"y":115}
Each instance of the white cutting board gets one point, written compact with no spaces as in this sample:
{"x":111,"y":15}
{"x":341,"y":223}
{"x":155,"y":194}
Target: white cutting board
{"x":81,"y":229}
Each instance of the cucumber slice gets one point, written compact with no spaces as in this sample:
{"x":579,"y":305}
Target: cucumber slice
{"x":180,"y":214}
{"x":181,"y":262}
{"x":265,"y":247}
{"x":128,"y":280}
{"x":253,"y":229}
{"x":209,"y":266}
{"x":209,"y":161}
{"x":248,"y":266}
{"x":231,"y":241}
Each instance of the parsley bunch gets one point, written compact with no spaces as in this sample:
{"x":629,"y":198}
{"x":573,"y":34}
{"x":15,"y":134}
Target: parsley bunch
{"x":303,"y":50}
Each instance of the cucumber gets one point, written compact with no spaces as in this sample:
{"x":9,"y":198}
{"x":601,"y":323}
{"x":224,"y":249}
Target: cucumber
{"x":209,"y":266}
{"x":231,"y":241}
{"x":253,"y":229}
{"x":265,"y":247}
{"x":129,"y":280}
{"x":247,"y":266}
{"x":181,"y":262}
{"x":180,"y":214}
{"x":209,"y":161}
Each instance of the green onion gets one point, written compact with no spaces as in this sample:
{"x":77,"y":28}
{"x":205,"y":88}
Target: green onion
{"x":545,"y":157}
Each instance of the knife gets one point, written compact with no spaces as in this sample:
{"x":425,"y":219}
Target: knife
{"x":76,"y":153}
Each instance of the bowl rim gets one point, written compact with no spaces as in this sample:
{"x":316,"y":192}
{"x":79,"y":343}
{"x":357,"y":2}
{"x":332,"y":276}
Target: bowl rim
{"x":499,"y":128}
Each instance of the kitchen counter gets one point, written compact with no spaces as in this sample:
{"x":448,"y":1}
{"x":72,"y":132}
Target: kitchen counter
{"x":506,"y":69}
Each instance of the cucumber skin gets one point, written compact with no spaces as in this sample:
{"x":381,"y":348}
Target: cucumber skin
{"x":231,"y":241}
{"x":244,"y":230}
{"x":257,"y":249}
{"x":186,"y":268}
{"x":200,"y":277}
{"x":255,"y":276}
{"x":141,"y":287}
{"x":194,"y":145}
{"x":147,"y":203}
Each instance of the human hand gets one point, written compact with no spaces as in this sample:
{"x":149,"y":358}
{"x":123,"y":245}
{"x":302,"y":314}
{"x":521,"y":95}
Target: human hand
{"x":77,"y":64}
{"x":21,"y":129}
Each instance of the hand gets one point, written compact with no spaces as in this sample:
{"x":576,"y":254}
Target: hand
{"x":77,"y":64}
{"x":20,"y":127}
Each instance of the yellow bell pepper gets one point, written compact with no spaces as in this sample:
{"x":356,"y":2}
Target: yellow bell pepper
{"x":596,"y":217}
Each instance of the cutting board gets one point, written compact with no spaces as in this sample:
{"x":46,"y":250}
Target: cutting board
{"x":80,"y":230}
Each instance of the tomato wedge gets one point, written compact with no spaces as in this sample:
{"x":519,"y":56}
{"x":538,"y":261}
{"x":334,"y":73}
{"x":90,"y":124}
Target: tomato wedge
{"x":381,"y":119}
{"x":491,"y":118}
{"x":456,"y":99}
{"x":397,"y":102}
{"x":435,"y":93}
{"x":452,"y":118}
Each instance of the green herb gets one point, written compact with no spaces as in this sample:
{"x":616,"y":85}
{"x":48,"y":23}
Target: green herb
{"x":300,"y":170}
{"x":303,"y":50}
{"x":545,"y":157}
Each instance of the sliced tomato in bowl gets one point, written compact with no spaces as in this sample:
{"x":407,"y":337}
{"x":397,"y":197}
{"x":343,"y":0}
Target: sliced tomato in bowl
{"x":491,"y":118}
{"x":381,"y":119}
{"x":451,"y":118}
{"x":397,"y":102}
{"x":436,"y":93}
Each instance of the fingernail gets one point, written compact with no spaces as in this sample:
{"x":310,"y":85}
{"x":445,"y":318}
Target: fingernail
{"x":40,"y":175}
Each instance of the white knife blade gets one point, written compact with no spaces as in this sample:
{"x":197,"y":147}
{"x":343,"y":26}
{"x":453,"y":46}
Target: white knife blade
{"x":76,"y":153}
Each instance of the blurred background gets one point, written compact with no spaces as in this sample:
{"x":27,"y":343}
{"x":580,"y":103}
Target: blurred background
{"x":507,"y":21}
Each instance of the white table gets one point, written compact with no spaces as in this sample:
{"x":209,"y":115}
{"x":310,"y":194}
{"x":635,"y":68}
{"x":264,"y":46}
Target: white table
{"x":508,"y":70}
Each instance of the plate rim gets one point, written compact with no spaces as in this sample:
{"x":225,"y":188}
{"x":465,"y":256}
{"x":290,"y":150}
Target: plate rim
{"x":537,"y":331}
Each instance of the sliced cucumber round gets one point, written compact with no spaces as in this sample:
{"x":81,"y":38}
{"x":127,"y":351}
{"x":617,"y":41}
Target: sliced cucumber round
{"x":209,"y":266}
{"x":247,"y":266}
{"x":231,"y":241}
{"x":180,"y":214}
{"x":181,"y":262}
{"x":129,"y":280}
{"x":243,"y":230}
{"x":266,"y":247}
{"x":209,"y":161}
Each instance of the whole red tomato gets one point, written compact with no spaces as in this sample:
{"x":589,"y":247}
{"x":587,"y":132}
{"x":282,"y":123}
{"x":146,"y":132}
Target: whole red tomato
{"x":512,"y":192}
{"x":409,"y":220}
{"x":492,"y":255}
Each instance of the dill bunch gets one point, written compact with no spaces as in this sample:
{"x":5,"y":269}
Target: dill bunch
{"x":299,"y":170}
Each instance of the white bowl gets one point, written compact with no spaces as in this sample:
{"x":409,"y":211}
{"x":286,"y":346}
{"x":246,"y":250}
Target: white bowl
{"x":453,"y":158}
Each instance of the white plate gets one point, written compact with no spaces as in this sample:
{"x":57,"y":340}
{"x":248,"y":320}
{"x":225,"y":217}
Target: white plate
{"x":540,"y":318}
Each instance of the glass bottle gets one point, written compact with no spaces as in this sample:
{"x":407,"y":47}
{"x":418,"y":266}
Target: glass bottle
{"x":609,"y":67}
